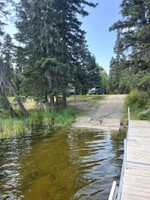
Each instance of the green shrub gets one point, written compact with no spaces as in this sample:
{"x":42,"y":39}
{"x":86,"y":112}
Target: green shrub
{"x":35,"y":117}
{"x":4,"y":112}
{"x":138,"y":99}
{"x":145,"y":115}
{"x":48,"y":119}
{"x":139,"y":103}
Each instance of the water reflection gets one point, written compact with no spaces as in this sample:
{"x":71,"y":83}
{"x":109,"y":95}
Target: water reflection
{"x":10,"y":176}
{"x":62,"y":165}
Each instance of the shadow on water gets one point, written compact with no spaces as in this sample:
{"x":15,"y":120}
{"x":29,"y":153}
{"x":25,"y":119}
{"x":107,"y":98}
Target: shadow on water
{"x":63,"y":164}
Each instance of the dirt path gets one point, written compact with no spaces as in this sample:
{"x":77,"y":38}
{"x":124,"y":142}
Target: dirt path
{"x":105,"y":115}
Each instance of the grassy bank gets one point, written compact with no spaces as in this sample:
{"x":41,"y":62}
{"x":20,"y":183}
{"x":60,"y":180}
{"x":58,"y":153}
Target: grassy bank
{"x":12,"y":127}
{"x":139,"y":103}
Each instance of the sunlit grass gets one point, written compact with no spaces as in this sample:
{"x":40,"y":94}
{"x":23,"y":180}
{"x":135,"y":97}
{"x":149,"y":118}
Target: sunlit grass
{"x":13,"y":127}
{"x":30,"y":104}
{"x":93,"y":99}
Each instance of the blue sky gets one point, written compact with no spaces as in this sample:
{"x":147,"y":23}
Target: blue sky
{"x":99,"y":39}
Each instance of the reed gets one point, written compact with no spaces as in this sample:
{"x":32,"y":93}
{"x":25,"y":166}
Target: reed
{"x":13,"y":127}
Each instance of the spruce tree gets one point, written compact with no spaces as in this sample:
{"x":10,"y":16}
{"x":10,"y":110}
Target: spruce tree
{"x":6,"y":69}
{"x":50,"y":31}
{"x":133,"y":43}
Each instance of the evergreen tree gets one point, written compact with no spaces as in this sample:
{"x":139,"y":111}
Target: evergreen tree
{"x":7,"y":53}
{"x":104,"y":80}
{"x":93,"y":73}
{"x":135,"y":27}
{"x":6,"y":69}
{"x":133,"y":43}
{"x":51,"y":34}
{"x":3,"y":13}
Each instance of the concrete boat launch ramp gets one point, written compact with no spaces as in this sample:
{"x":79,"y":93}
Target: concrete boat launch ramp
{"x":106,"y":115}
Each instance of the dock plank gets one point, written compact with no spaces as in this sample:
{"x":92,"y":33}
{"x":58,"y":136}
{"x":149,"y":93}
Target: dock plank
{"x":138,"y":193}
{"x":131,"y":197}
{"x":136,"y":188}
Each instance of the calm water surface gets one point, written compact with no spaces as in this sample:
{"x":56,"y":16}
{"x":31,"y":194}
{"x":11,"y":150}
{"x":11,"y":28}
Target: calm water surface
{"x":60,"y":165}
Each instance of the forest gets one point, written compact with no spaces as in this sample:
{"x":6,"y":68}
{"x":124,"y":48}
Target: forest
{"x":49,"y":54}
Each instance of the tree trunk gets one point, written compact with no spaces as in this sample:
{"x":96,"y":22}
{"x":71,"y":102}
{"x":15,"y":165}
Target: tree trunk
{"x":57,"y":102}
{"x":18,"y":99}
{"x":48,"y":76}
{"x":22,"y":108}
{"x":8,"y":105}
{"x":64,"y":99}
{"x":52,"y":102}
{"x":13,"y":113}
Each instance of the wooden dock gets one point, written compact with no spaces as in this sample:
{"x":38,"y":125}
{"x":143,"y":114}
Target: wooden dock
{"x":135,"y":175}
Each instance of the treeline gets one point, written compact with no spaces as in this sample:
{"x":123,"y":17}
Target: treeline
{"x":130,"y":68}
{"x":51,"y":54}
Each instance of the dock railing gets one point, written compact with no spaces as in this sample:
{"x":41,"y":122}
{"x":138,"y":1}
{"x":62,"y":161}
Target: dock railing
{"x":115,"y":193}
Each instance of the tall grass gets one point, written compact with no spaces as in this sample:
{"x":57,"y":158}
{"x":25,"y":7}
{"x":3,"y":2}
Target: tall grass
{"x":64,"y":117}
{"x":11,"y":127}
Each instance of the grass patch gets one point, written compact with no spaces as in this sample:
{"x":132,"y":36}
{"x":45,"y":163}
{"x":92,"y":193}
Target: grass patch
{"x":144,"y":115}
{"x":93,"y":99}
{"x":63,"y":118}
{"x":12,"y":127}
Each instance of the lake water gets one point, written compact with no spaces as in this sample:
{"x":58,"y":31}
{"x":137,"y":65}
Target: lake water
{"x":63,"y":164}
